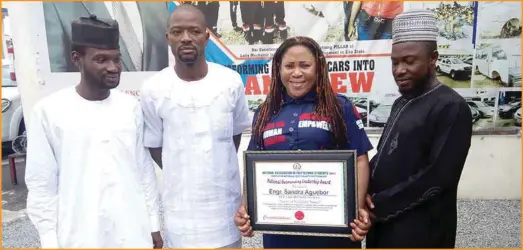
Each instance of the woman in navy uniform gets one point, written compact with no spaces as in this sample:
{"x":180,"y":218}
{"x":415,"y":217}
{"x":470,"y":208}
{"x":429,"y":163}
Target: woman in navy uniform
{"x":301,"y":111}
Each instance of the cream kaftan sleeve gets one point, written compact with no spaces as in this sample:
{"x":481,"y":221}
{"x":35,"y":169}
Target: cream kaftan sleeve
{"x":41,"y":178}
{"x":148,"y":175}
{"x":241,"y":120}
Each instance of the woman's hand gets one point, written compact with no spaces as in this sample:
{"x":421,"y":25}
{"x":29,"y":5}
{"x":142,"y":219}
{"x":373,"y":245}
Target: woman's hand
{"x":243,"y":222}
{"x":360,"y":226}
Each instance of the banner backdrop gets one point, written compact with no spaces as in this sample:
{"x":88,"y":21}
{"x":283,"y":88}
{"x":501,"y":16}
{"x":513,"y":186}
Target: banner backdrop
{"x":479,"y":46}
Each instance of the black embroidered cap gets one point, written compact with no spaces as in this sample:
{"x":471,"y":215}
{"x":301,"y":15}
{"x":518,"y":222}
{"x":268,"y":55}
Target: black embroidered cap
{"x":95,"y":32}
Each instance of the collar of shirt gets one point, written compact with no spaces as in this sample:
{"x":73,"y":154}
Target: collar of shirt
{"x":308,"y":98}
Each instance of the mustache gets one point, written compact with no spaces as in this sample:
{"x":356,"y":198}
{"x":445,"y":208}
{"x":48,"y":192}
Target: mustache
{"x":111,"y":74}
{"x":186,"y":47}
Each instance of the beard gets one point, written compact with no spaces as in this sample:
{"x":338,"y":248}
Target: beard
{"x":418,"y":86}
{"x":188,"y":59}
{"x":96,"y":81}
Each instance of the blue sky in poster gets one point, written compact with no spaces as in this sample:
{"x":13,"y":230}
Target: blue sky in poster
{"x":215,"y":54}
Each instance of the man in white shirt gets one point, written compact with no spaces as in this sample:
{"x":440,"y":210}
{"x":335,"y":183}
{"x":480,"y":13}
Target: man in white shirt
{"x":91,"y":181}
{"x":195,"y":113}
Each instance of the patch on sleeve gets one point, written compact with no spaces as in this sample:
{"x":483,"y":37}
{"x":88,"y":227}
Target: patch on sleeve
{"x":359,"y":123}
{"x":356,"y":113}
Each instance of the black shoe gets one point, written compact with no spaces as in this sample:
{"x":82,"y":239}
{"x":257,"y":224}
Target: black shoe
{"x":268,"y":38}
{"x":257,"y":35}
{"x":248,"y":37}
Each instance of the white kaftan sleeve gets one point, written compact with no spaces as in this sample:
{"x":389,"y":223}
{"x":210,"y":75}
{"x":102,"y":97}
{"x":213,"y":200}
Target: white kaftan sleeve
{"x":241,"y":120}
{"x":41,"y":178}
{"x":153,"y":133}
{"x":147,"y":176}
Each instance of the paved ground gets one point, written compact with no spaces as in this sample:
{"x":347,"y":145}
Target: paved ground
{"x":481,"y":223}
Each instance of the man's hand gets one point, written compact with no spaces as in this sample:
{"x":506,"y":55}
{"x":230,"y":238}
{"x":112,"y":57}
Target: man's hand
{"x":360,"y":226}
{"x":157,"y":240}
{"x":243,"y":222}
{"x":370,"y":206}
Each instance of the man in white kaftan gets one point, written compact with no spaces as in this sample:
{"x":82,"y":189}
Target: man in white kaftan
{"x":194,"y":123}
{"x":195,"y":113}
{"x":91,"y":181}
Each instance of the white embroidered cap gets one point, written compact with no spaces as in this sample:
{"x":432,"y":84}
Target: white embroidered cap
{"x":414,"y":26}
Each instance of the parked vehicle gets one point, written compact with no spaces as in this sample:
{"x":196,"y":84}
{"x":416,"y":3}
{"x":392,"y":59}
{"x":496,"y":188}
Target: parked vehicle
{"x":379,"y":116}
{"x":12,"y":116}
{"x":475,"y":114}
{"x":494,"y":63}
{"x":517,"y":117}
{"x":454,"y":67}
{"x":485,"y":111}
{"x":506,"y":111}
{"x":468,"y":60}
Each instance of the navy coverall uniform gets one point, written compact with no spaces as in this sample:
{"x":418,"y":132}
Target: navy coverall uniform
{"x":298,"y":133}
{"x":210,"y":10}
{"x":274,"y":15}
{"x":233,"y":10}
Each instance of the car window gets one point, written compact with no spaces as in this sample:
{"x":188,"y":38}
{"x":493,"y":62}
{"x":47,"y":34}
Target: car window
{"x":456,"y":61}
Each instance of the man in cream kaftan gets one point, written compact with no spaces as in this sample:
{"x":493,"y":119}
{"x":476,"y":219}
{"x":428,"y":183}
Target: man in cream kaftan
{"x":91,"y":181}
{"x":195,"y":113}
{"x":194,"y":123}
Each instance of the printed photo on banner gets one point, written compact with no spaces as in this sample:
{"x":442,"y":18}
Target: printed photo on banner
{"x":479,"y":47}
{"x":497,"y":65}
{"x":142,"y":27}
{"x":363,"y":106}
{"x":482,"y":104}
{"x":509,"y":109}
{"x":455,"y":41}
{"x":497,"y":61}
{"x":249,"y":23}
{"x":253,"y":30}
{"x":381,"y":107}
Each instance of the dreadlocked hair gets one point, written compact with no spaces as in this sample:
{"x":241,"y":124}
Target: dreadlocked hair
{"x":326,"y":104}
